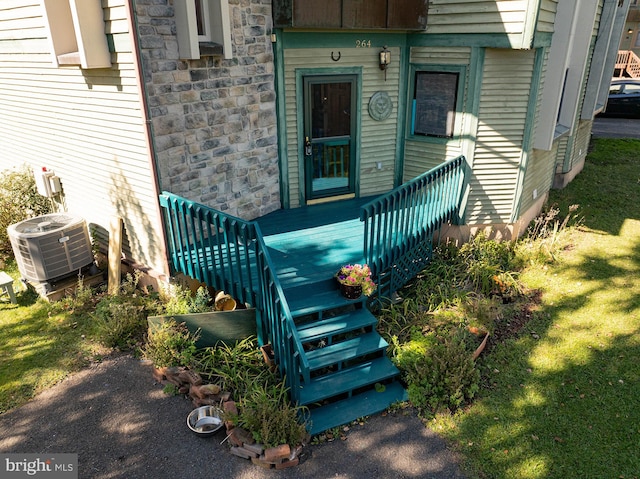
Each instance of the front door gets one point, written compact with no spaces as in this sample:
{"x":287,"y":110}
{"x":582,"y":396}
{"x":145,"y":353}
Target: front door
{"x":329,"y":136}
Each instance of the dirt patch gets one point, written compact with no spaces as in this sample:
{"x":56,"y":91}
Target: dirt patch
{"x":511,"y":325}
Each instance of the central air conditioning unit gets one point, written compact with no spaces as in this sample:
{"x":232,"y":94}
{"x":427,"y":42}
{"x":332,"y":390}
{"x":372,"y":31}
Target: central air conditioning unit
{"x":51,"y":247}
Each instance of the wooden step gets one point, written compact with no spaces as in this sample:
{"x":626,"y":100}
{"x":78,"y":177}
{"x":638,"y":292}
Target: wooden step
{"x":316,"y":298}
{"x":346,"y":410}
{"x":329,"y":327}
{"x":343,"y":351}
{"x":347,"y":380}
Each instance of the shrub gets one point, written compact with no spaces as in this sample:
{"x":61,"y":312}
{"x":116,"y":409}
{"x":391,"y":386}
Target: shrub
{"x":178,"y":300}
{"x":121,"y":322}
{"x":121,"y":319}
{"x":171,"y":344}
{"x":19,"y":200}
{"x":439,"y":371}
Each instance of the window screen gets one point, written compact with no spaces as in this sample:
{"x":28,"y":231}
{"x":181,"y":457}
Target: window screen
{"x":434,"y":103}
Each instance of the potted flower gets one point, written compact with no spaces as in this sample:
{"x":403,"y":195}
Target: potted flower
{"x":355,"y":280}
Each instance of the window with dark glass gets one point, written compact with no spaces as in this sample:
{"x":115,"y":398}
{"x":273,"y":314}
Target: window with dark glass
{"x":434,"y":103}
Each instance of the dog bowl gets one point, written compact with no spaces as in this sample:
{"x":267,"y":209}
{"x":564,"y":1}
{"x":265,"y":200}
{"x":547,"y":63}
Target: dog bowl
{"x":205,"y":420}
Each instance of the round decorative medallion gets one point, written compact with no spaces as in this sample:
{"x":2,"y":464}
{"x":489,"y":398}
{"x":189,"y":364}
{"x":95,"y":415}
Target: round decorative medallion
{"x":380,"y":106}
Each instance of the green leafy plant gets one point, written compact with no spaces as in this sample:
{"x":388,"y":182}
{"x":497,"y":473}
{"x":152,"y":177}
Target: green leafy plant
{"x":439,"y":371}
{"x":179,"y":300}
{"x":267,"y":412}
{"x":170,"y":344}
{"x":121,"y":319}
{"x":19,"y":200}
{"x":234,"y":366}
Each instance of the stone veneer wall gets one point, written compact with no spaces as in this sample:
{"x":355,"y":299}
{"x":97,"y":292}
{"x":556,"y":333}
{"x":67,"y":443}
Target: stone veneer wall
{"x":214,"y":120}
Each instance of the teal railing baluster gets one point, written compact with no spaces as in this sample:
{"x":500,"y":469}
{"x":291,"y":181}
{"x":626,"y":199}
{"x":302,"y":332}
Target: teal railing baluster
{"x":408,"y":216}
{"x":232,"y":256}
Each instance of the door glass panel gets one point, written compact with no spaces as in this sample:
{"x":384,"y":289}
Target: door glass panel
{"x":329,"y":129}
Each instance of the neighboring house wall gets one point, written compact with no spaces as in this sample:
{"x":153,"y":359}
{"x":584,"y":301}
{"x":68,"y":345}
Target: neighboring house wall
{"x":85,"y":124}
{"x":214,"y":120}
{"x":631,"y":34}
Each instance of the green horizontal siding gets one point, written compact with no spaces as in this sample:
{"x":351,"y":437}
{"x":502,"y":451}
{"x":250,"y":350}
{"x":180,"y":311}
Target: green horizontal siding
{"x":501,"y":130}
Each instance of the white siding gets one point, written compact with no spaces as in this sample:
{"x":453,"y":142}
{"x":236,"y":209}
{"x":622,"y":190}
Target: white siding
{"x":500,"y":17}
{"x":86,"y":125}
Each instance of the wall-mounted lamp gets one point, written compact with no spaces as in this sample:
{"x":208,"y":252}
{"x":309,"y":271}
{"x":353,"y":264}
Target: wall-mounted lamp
{"x":385,"y":58}
{"x":630,"y":31}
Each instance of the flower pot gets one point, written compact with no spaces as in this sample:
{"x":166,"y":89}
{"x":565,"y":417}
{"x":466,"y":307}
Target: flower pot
{"x":350,"y":291}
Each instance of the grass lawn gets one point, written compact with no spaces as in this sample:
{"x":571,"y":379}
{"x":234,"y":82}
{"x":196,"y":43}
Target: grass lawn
{"x":563,"y":399}
{"x":39,"y":345}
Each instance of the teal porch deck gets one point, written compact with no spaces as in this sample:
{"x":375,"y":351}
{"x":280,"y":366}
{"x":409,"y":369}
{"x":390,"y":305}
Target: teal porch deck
{"x":310,"y":244}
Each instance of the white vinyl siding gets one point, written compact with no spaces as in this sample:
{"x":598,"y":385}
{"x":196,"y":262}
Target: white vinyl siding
{"x":86,"y":125}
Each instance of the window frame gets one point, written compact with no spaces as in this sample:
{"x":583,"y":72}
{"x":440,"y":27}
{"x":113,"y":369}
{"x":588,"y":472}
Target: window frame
{"x":456,"y":130}
{"x":203,"y":18}
{"x":215,"y":18}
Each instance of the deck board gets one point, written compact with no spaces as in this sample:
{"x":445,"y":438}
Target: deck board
{"x":310,"y":244}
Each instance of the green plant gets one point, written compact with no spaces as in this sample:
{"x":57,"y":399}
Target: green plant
{"x":267,"y":412}
{"x":171,"y":390}
{"x":439,"y":371}
{"x":170,"y":344}
{"x":19,"y":200}
{"x":546,"y":234}
{"x":120,"y":322}
{"x":234,"y":366}
{"x":179,"y":300}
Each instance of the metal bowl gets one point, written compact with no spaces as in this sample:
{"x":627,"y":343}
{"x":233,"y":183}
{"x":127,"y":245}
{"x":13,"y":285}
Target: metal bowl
{"x":205,"y":420}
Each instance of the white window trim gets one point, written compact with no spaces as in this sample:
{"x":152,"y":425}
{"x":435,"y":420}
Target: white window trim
{"x":76,"y":33}
{"x":568,"y":53}
{"x":612,"y":21}
{"x":206,"y":20}
{"x":218,"y":22}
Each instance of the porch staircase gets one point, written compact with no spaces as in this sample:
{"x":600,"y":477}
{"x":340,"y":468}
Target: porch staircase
{"x":350,"y":374}
{"x":326,"y":347}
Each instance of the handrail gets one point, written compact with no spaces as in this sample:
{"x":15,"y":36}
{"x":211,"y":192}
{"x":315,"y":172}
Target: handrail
{"x":411,"y":213}
{"x":229,"y":254}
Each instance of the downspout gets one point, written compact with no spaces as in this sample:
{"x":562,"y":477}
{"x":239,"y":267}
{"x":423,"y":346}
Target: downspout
{"x":148,"y":128}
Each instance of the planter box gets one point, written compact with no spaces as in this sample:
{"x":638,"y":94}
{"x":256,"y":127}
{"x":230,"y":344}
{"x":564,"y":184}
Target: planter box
{"x":215,"y":326}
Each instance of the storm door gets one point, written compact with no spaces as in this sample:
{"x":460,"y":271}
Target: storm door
{"x":329,"y":135}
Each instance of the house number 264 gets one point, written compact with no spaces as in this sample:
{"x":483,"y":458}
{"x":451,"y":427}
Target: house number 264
{"x":363,"y":43}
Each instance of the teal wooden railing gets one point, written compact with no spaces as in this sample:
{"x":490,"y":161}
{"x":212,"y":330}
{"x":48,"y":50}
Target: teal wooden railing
{"x":229,"y":254}
{"x":399,"y":226}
